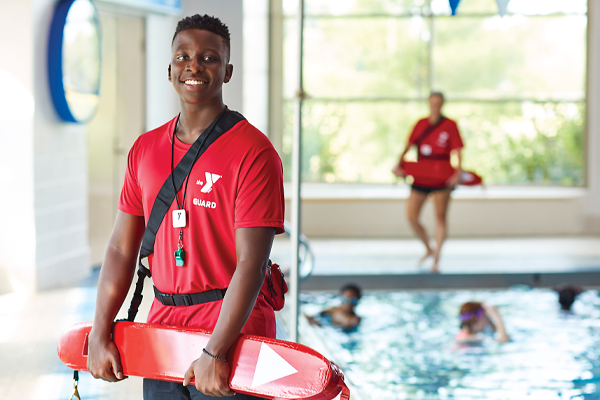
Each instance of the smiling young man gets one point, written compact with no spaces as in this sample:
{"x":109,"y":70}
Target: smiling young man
{"x":233,"y":199}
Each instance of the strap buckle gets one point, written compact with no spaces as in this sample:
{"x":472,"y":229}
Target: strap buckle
{"x":167,"y":300}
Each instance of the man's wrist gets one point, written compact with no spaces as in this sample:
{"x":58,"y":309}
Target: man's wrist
{"x":101,"y":331}
{"x":215,"y":351}
{"x":223,"y":359}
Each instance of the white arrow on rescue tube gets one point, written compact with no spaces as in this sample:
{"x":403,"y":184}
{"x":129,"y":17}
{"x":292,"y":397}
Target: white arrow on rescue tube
{"x":270,"y":367}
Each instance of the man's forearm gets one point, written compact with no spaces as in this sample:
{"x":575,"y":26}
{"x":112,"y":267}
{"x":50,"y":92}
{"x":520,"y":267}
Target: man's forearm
{"x":114,"y":282}
{"x":237,"y":306}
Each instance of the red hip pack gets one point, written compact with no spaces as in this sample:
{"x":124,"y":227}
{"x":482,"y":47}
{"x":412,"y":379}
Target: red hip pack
{"x":274,"y":287}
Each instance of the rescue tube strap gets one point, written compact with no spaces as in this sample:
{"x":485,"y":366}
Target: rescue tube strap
{"x":223,"y":123}
{"x":167,"y":193}
{"x":429,"y":129}
{"x":137,"y":298}
{"x":177,"y":300}
{"x":426,"y":133}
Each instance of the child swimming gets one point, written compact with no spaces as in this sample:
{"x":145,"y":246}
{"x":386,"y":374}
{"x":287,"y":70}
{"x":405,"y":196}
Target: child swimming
{"x":567,"y":294}
{"x":342,"y":315}
{"x":475,"y":317}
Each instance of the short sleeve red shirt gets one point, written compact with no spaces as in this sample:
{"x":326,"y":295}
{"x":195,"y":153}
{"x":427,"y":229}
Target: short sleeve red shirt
{"x":236,"y":183}
{"x":444,"y":138}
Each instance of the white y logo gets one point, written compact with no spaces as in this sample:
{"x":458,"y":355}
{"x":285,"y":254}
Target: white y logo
{"x":443,"y":138}
{"x":210,"y":180}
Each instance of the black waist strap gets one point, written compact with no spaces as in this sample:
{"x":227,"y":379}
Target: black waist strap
{"x":444,"y":157}
{"x":189,"y":299}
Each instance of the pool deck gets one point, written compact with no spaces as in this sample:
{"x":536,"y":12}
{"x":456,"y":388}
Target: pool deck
{"x":465,"y":263}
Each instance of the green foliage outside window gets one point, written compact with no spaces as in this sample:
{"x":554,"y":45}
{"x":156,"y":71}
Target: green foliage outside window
{"x":515,"y":86}
{"x":507,"y":143}
{"x":523,"y":143}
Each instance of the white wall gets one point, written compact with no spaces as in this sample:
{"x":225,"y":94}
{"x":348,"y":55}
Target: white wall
{"x":256,"y":63}
{"x":162,"y":102}
{"x":379,"y":211}
{"x":60,"y":175}
{"x":17,"y":221}
{"x":43,"y":206}
{"x":230,"y":12}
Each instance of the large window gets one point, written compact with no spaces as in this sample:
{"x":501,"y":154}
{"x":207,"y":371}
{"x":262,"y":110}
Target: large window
{"x":515,"y":85}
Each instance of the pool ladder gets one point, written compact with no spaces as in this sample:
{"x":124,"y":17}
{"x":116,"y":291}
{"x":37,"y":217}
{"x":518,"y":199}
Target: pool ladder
{"x":307,"y":257}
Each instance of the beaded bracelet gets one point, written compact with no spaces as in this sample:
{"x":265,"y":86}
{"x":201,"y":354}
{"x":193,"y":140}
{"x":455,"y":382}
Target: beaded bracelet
{"x":213,"y":356}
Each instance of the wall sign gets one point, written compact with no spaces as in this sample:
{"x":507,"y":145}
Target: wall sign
{"x":74,"y":60}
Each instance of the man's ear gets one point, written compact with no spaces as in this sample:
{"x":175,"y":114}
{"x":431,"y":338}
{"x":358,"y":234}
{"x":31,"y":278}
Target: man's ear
{"x":228,"y":73}
{"x":170,"y":72}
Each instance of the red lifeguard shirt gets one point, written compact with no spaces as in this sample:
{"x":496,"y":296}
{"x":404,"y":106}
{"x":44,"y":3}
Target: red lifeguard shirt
{"x":440,"y":142}
{"x":236,"y":183}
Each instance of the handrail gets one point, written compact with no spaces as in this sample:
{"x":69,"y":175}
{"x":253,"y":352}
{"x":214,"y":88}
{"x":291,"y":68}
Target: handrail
{"x":307,"y":257}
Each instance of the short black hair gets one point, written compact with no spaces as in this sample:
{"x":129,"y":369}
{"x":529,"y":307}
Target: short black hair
{"x":205,"y":23}
{"x":351,"y":286}
{"x":566,"y":298}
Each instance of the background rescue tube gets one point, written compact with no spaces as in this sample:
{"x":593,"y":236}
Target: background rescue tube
{"x":259,"y":366}
{"x":433,"y":173}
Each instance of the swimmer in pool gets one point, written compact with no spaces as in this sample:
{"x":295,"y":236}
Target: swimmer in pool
{"x":567,"y":294}
{"x":475,"y":317}
{"x":342,"y":315}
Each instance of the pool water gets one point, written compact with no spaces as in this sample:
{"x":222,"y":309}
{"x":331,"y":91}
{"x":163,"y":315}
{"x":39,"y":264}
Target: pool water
{"x":404,"y":347}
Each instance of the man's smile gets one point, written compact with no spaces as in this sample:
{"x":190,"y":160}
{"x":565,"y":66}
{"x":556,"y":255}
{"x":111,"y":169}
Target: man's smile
{"x":194,"y":82}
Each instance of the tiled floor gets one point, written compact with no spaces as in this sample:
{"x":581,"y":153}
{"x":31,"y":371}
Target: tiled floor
{"x":31,"y":325}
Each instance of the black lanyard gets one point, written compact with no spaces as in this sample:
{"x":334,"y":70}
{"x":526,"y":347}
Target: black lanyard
{"x":187,"y":179}
{"x":180,"y":252}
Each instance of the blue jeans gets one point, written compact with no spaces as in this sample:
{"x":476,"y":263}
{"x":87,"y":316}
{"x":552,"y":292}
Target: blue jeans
{"x":161,"y":390}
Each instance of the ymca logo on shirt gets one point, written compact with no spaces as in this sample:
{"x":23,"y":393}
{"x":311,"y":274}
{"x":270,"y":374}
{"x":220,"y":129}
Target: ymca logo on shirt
{"x":442,"y":139}
{"x":207,"y":187}
{"x":211,"y":179}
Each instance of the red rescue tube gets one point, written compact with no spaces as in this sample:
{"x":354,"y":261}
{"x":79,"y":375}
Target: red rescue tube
{"x":434,"y":173}
{"x":259,"y":366}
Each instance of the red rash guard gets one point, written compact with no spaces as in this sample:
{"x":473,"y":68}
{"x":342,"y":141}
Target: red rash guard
{"x":434,"y":149}
{"x":236,"y":183}
{"x":440,"y":142}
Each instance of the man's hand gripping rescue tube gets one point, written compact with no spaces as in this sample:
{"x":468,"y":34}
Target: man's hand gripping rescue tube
{"x":210,"y":375}
{"x":116,"y":274}
{"x":252,"y":247}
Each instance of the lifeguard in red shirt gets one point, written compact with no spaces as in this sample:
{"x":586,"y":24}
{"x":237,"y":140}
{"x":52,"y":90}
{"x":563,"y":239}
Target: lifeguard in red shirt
{"x":233,"y":203}
{"x":436,"y":138}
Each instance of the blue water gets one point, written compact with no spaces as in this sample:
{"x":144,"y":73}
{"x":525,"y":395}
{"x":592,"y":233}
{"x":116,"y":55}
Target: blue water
{"x":404,"y":347}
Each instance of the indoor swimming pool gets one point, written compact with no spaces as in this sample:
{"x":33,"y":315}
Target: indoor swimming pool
{"x":404,"y":347}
